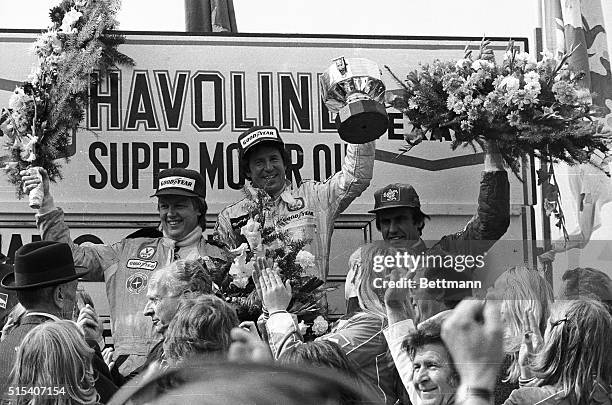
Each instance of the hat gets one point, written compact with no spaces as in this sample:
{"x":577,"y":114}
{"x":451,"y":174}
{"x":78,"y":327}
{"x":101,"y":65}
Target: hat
{"x":180,"y":181}
{"x":42,"y":264}
{"x":256,"y":135}
{"x":396,"y":195}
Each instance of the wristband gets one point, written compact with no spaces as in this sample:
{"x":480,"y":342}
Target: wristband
{"x":465,"y":391}
{"x":278,"y":312}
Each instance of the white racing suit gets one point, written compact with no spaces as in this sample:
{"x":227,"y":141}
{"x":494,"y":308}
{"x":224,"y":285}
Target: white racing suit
{"x":126,"y":268}
{"x":319,"y":204}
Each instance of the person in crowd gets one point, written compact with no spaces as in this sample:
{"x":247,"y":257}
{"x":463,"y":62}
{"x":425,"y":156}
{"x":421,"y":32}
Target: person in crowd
{"x":169,"y":286}
{"x":586,"y":282}
{"x":55,"y":361}
{"x":325,"y":354}
{"x":473,"y":335}
{"x":248,"y":346}
{"x":574,"y":365}
{"x":526,"y":298}
{"x":404,"y":337}
{"x":8,"y":298}
{"x":360,"y":337}
{"x":200,"y":329}
{"x":401,"y":221}
{"x":434,"y":375}
{"x":45,"y":279}
{"x":307,"y":211}
{"x":224,"y":383}
{"x":12,"y":320}
{"x":126,"y":266}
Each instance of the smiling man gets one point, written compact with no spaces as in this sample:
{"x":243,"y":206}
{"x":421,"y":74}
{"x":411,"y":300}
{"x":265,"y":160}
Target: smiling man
{"x":434,"y":379}
{"x":126,"y":266}
{"x":307,"y":211}
{"x":401,"y":221}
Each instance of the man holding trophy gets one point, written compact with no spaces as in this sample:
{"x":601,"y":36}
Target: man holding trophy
{"x":353,"y":88}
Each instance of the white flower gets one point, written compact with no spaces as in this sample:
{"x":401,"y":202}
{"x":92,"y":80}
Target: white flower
{"x":18,"y":99}
{"x":241,"y":282}
{"x":463,"y":63}
{"x":319,"y":326}
{"x":240,"y":270}
{"x":305,"y":259}
{"x":252,"y":233}
{"x":302,"y":328}
{"x":27,"y":149}
{"x":532,"y":77}
{"x":70,"y":18}
{"x":533,"y":89}
{"x":510,"y":83}
{"x":584,"y":96}
{"x":481,"y":64}
{"x":240,"y":250}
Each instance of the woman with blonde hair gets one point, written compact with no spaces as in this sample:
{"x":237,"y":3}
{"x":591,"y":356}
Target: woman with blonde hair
{"x":54,"y":363}
{"x":574,"y":365}
{"x":523,"y":293}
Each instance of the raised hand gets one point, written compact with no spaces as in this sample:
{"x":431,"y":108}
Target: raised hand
{"x":89,"y":323}
{"x":398,"y":301}
{"x":275,"y":295}
{"x":247,"y":345}
{"x":532,"y":342}
{"x":33,"y":178}
{"x":108,"y":355}
{"x":473,"y":334}
{"x":261,"y":263}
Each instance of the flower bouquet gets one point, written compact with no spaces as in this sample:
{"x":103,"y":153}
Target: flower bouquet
{"x":526,"y":107}
{"x":290,"y":258}
{"x":46,"y":110}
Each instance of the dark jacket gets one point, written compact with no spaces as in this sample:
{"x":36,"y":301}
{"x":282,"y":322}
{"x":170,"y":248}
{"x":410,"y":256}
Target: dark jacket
{"x":104,"y":386}
{"x":479,"y":235}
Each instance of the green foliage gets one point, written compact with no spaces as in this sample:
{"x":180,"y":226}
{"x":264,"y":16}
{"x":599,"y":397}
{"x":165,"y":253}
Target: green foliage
{"x":52,"y":102}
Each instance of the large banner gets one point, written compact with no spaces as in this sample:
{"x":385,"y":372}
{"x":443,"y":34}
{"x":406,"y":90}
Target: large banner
{"x":190,"y":96}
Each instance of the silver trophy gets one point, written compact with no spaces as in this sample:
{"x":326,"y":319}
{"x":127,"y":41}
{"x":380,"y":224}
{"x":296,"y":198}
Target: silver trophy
{"x":353,"y":88}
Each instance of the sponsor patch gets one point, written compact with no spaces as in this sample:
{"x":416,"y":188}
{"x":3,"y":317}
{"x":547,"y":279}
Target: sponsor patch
{"x":257,"y":135}
{"x":3,"y":300}
{"x":146,"y":252}
{"x":390,"y":195}
{"x":299,"y":204}
{"x":141,"y":264}
{"x":239,"y":222}
{"x":177,"y":182}
{"x":137,"y":283}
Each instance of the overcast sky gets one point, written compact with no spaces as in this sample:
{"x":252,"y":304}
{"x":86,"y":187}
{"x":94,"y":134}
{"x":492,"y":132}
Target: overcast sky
{"x":400,"y":17}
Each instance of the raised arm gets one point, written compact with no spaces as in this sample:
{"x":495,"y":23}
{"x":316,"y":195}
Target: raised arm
{"x":51,"y":226}
{"x":336,"y":193}
{"x":493,"y":214}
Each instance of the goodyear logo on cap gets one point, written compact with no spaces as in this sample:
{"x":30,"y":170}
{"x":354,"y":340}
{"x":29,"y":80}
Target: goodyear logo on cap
{"x":391,"y":195}
{"x":177,"y":182}
{"x":259,"y":134}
